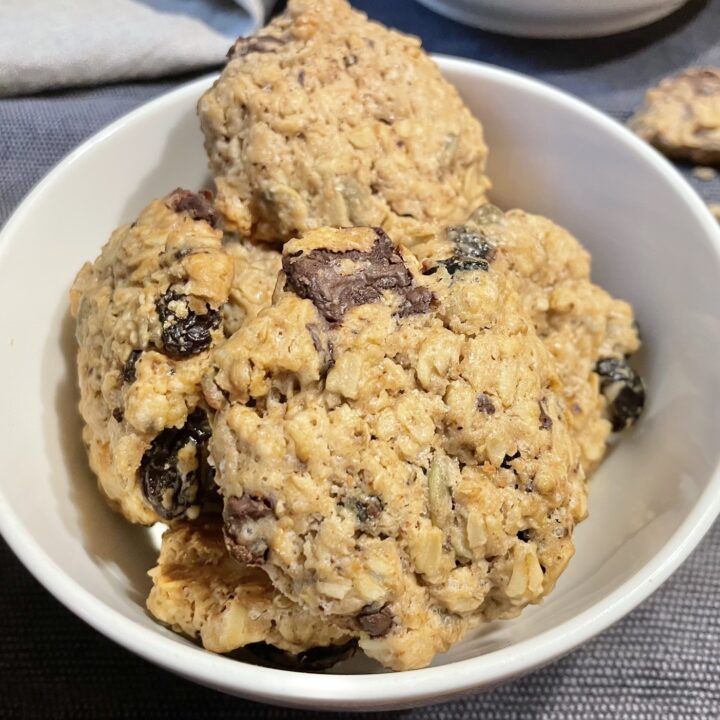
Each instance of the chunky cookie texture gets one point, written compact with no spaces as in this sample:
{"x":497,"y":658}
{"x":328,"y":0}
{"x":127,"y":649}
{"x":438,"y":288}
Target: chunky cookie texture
{"x":326,"y":118}
{"x":681,"y":116}
{"x":401,"y":468}
{"x":163,"y":292}
{"x":200,"y":591}
{"x":588,"y":333}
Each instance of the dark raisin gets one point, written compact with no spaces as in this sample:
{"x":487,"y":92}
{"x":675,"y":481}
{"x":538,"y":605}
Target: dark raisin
{"x":301,"y":78}
{"x":524,"y":535}
{"x":314,"y":660}
{"x":455,"y":264}
{"x":471,"y":245}
{"x":118,"y":414}
{"x":171,"y":491}
{"x":376,"y":622}
{"x":368,"y":508}
{"x":472,"y":252}
{"x":128,"y":371}
{"x":546,"y":422}
{"x":242,"y":534}
{"x":508,"y":459}
{"x":485,"y":404}
{"x":188,"y":335}
{"x":624,"y":391}
{"x":197,"y":205}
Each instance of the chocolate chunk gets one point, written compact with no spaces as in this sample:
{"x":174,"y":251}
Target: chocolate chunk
{"x":239,"y":508}
{"x":624,"y":391}
{"x":376,"y":622}
{"x":317,"y":276}
{"x":545,"y":420}
{"x":485,"y":404}
{"x":171,"y":490}
{"x":316,"y":659}
{"x":240,"y":515}
{"x":255,"y":44}
{"x":197,"y":205}
{"x":128,"y":371}
{"x":417,"y":301}
{"x":187,"y":333}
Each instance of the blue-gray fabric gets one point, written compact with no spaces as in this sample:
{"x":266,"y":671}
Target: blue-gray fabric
{"x":48,"y":45}
{"x":662,"y":661}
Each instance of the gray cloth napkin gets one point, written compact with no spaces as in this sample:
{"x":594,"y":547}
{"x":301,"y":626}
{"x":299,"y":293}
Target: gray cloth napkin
{"x":46,"y":45}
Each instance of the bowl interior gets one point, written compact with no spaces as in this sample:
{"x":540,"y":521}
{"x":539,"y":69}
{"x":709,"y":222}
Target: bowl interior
{"x":652,"y":242}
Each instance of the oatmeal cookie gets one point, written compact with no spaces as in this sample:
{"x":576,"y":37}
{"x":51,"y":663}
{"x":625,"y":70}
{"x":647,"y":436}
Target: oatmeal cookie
{"x":326,"y":118}
{"x":588,"y":332}
{"x":200,"y":591}
{"x":393,"y":448}
{"x":681,"y":116}
{"x":148,"y":311}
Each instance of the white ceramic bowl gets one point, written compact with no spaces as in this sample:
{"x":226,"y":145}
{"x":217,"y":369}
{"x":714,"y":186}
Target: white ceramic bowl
{"x":555,"y":18}
{"x":653,"y":242}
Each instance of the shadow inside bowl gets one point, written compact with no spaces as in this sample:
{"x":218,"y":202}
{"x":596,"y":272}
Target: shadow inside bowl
{"x":171,"y":163}
{"x":125,"y":552}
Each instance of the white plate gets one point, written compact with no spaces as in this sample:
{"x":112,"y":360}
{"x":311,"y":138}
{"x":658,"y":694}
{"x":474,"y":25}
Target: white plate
{"x":555,"y":18}
{"x":653,"y":242}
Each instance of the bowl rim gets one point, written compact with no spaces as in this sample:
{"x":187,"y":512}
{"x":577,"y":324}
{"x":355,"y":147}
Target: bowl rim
{"x":561,"y":24}
{"x":367,"y":692}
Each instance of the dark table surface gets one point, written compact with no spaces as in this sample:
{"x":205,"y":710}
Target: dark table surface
{"x":662,"y":661}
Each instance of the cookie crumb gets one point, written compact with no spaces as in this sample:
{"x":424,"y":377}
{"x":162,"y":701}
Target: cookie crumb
{"x":704,"y":173}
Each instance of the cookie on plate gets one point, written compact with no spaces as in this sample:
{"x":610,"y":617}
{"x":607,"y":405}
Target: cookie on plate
{"x":393,"y":448}
{"x":681,"y":116}
{"x":326,"y":118}
{"x":201,"y":591}
{"x":589,"y":333}
{"x":148,"y":311}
